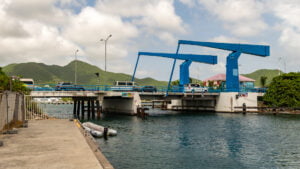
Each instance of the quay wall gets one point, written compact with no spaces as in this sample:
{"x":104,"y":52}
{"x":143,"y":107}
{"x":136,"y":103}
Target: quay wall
{"x":12,"y":109}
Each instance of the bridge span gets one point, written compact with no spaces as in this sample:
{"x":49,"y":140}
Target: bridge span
{"x":129,"y":102}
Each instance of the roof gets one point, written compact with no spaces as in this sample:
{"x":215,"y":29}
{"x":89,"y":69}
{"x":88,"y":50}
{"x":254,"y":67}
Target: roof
{"x":222,"y":77}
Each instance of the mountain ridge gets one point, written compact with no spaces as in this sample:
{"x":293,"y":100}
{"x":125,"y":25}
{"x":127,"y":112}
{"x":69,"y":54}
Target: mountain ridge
{"x":43,"y":73}
{"x":50,"y":74}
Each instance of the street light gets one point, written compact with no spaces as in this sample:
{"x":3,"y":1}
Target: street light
{"x":75,"y":81}
{"x":105,"y":42}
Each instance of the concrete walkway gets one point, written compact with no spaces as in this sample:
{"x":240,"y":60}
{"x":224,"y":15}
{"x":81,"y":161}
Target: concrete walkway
{"x":47,"y":144}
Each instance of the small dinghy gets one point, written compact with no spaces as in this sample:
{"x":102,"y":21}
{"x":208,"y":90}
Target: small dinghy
{"x":98,"y":128}
{"x":93,"y":132}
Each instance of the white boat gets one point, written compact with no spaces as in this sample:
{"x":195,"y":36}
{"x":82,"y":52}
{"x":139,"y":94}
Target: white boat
{"x":94,"y":133}
{"x":95,"y":127}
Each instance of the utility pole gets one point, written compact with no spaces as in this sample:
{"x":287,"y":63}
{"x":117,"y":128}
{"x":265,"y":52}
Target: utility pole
{"x":75,"y":81}
{"x":105,"y":43}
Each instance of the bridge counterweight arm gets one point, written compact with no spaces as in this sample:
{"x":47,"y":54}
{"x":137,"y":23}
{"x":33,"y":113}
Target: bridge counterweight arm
{"x":258,"y":50}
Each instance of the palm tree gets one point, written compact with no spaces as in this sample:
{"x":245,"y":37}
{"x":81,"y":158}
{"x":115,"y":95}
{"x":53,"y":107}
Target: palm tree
{"x":263,"y":80}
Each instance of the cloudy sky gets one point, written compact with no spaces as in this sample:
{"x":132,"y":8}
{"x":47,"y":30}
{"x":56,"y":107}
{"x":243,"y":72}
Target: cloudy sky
{"x":50,"y":31}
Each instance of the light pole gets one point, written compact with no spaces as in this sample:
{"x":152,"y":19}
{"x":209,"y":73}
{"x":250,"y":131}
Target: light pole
{"x":105,"y":42}
{"x":75,"y":81}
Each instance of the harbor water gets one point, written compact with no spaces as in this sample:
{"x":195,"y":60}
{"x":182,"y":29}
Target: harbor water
{"x":202,"y":140}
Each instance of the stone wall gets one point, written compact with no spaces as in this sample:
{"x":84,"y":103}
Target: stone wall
{"x":12,"y":109}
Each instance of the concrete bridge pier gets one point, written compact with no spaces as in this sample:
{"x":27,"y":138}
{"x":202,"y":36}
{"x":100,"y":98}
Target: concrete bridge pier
{"x":125,"y":103}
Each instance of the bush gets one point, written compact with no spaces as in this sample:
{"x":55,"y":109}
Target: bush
{"x":284,"y":91}
{"x":16,"y":84}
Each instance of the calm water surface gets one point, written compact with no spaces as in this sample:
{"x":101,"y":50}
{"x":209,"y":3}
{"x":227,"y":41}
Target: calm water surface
{"x":168,"y":140}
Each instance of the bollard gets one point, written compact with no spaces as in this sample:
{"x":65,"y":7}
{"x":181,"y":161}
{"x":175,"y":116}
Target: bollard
{"x":244,"y":108}
{"x":105,"y":132}
{"x":1,"y":143}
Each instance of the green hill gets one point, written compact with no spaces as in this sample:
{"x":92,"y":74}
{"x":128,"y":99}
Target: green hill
{"x":53,"y":74}
{"x":270,"y":74}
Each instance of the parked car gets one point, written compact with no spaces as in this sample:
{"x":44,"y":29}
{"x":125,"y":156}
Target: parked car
{"x":149,"y":89}
{"x":123,"y":86}
{"x":137,"y":88}
{"x":63,"y":86}
{"x":195,"y":88}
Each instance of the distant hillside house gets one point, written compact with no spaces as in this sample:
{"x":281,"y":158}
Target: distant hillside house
{"x":220,"y":79}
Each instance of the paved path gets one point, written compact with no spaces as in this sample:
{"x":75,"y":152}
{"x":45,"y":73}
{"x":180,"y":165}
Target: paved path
{"x":47,"y":144}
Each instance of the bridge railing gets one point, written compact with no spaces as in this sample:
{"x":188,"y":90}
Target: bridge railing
{"x":175,"y":89}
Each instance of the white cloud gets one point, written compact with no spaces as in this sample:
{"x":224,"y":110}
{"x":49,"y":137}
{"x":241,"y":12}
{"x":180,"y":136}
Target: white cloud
{"x":156,"y":17}
{"x":241,"y":17}
{"x":44,"y":11}
{"x":289,"y":26}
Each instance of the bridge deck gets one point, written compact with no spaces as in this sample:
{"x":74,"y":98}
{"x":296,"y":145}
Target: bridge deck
{"x":108,"y":93}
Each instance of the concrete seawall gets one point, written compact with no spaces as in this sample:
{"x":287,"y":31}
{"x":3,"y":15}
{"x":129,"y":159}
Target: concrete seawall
{"x":49,"y":144}
{"x":11,"y":108}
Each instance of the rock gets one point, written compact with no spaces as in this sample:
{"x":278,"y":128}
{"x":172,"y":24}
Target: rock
{"x":25,"y":125}
{"x":13,"y":131}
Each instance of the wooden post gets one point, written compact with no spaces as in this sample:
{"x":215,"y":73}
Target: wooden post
{"x":93,"y":109}
{"x":78,"y":109}
{"x":74,"y":108}
{"x":89,"y":109}
{"x":98,"y":109}
{"x":82,"y":109}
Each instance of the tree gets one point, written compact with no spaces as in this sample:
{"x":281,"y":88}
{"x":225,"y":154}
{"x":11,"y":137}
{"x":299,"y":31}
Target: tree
{"x":284,"y":91}
{"x":210,"y":83}
{"x":263,"y":80}
{"x":175,"y":83}
{"x":5,"y":82}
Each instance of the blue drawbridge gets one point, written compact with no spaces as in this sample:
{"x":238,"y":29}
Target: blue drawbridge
{"x":184,"y":67}
{"x":232,"y":70}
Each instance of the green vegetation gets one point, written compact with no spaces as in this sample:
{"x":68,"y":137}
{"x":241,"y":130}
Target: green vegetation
{"x":284,"y":91}
{"x":263,"y":80}
{"x":6,"y":83}
{"x":52,"y":74}
{"x":270,"y":74}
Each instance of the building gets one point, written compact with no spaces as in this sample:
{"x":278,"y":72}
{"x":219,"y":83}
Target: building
{"x":220,"y":79}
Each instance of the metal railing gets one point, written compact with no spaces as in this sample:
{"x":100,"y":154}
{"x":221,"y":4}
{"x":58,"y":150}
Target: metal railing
{"x":175,"y":89}
{"x":38,"y":111}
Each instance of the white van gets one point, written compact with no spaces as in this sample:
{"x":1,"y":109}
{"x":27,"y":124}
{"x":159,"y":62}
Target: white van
{"x":123,"y":86}
{"x":195,"y":88}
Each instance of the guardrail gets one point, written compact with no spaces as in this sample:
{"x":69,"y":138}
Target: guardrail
{"x":175,"y":89}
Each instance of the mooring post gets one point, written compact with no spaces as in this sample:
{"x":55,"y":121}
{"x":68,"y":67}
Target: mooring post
{"x":82,"y":109}
{"x":78,"y":109}
{"x":89,"y":109}
{"x":244,"y":108}
{"x":93,"y":109}
{"x":98,"y":109}
{"x":105,"y":132}
{"x":74,"y":108}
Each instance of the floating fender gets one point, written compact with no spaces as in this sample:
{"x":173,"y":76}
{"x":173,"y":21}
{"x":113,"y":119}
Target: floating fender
{"x":92,"y":126}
